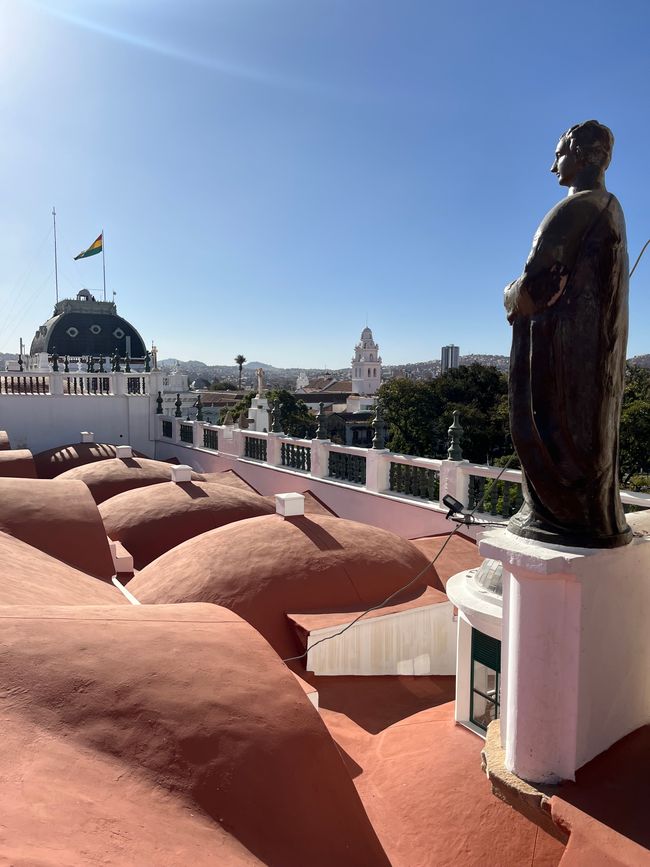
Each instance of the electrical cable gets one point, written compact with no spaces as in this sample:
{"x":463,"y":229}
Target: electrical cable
{"x":412,"y":580}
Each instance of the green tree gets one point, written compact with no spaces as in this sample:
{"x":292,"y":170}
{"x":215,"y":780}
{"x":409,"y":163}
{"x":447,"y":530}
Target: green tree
{"x":240,"y":361}
{"x":419,"y":413}
{"x":295,"y":418}
{"x":243,"y":406}
{"x":222,"y":385}
{"x":634,"y":456}
{"x":634,"y":439}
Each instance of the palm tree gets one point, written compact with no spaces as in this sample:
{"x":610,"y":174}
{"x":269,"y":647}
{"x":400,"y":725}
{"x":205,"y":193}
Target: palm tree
{"x":240,"y":361}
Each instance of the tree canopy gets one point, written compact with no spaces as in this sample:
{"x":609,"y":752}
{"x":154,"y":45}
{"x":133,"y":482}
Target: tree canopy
{"x":295,"y":418}
{"x":419,"y":413}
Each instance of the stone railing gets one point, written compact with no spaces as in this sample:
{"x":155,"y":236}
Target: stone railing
{"x":347,"y":463}
{"x":296,"y":454}
{"x":415,"y":477}
{"x":490,"y":496}
{"x":255,"y":448}
{"x":24,"y":384}
{"x":77,"y":383}
{"x":490,"y":491}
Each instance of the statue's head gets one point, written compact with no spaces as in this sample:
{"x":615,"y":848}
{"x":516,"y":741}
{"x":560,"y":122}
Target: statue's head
{"x":585,"y":145}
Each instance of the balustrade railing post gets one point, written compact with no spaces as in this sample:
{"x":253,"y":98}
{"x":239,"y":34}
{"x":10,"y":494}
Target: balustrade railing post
{"x":454,"y":480}
{"x":197,"y":439}
{"x":320,"y":458}
{"x":118,"y":383}
{"x":56,"y":383}
{"x":274,"y":449}
{"x":377,"y":469}
{"x":177,"y":429}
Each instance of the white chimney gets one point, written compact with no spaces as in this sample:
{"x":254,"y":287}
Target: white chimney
{"x":181,"y":473}
{"x":87,"y":436}
{"x":123,"y":452}
{"x":289,"y":505}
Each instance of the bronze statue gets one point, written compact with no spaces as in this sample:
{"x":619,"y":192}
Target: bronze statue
{"x":569,"y":315}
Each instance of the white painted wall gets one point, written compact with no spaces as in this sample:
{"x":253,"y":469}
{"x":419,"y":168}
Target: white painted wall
{"x":40,"y":422}
{"x":419,"y":641}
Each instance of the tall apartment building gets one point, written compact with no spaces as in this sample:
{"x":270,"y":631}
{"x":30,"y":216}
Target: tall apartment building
{"x":449,"y":358}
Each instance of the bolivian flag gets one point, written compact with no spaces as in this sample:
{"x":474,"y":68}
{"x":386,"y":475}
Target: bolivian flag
{"x":96,"y":247}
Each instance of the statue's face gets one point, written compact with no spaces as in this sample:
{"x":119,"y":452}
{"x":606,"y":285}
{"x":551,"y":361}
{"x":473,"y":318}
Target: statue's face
{"x":566,"y":164}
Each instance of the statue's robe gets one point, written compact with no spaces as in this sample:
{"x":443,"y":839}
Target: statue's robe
{"x":569,"y":312}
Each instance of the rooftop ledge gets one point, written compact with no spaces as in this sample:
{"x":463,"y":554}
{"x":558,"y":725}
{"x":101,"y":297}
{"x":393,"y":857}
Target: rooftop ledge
{"x":532,"y":801}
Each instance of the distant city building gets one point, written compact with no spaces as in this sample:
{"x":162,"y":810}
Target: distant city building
{"x":449,"y":358}
{"x":366,"y":365}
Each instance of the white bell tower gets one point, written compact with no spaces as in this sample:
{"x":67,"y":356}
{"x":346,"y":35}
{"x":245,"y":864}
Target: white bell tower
{"x":366,"y":365}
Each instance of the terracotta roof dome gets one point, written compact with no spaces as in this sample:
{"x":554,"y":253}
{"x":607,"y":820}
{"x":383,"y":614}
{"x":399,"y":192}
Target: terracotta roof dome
{"x":32,"y":577}
{"x":17,"y":464}
{"x":150,"y":521}
{"x":108,"y":478}
{"x":166,"y":735}
{"x":58,"y":517}
{"x":262,"y":568}
{"x":52,"y":462}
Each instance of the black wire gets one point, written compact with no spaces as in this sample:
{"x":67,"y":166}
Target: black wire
{"x":413,"y":580}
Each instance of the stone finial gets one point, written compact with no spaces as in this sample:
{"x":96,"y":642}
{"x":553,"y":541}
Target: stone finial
{"x":199,"y":409}
{"x":159,"y":404}
{"x":276,"y":424}
{"x":55,"y":362}
{"x":243,"y":420}
{"x":178,"y":403}
{"x":127,"y":367}
{"x":66,"y":364}
{"x":455,"y":433}
{"x":147,"y":362}
{"x":20,"y":362}
{"x":321,"y":430}
{"x":379,"y":427}
{"x":91,"y":364}
{"x":101,"y":364}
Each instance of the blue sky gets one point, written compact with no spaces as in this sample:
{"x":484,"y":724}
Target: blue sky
{"x":272,"y":173}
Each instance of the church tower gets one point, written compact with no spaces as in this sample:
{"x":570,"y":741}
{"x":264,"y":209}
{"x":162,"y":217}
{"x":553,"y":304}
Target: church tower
{"x":366,"y":365}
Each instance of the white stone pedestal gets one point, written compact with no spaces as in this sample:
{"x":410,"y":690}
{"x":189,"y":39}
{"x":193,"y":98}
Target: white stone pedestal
{"x":575,"y":657}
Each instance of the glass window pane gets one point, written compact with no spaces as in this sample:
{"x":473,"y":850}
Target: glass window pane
{"x":483,"y":711}
{"x":485,"y":679}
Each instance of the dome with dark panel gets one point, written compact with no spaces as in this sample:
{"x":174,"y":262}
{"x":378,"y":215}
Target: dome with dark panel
{"x":262,"y":568}
{"x":83,"y":326}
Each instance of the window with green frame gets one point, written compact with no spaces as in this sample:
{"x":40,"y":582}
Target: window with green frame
{"x":485,"y":697}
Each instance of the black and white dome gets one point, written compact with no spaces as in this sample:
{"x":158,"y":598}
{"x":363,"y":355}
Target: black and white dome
{"x":83,"y":326}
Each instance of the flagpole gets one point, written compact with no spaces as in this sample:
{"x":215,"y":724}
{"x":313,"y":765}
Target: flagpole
{"x":104,"y":261}
{"x":56,"y":265}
